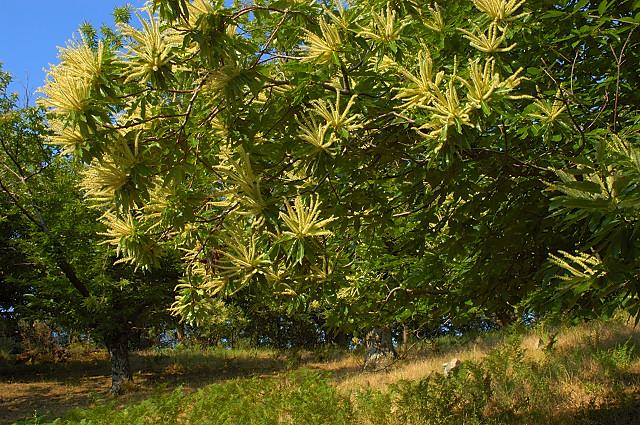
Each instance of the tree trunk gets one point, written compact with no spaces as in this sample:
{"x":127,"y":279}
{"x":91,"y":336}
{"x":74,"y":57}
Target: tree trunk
{"x":504,"y":318}
{"x":121,"y":376}
{"x":380,"y":349}
{"x":405,"y":337}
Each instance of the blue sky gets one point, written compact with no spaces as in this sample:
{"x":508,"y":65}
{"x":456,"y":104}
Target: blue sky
{"x":32,"y":30}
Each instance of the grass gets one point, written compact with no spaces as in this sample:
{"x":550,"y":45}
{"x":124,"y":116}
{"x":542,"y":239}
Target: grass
{"x":590,"y":375}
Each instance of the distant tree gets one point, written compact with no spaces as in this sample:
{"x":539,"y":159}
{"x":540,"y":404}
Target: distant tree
{"x":51,"y":264}
{"x":378,"y":162}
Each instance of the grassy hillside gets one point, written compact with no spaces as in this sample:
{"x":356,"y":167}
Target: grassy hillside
{"x":589,"y":374}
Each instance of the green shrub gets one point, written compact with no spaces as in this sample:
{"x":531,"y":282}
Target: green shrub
{"x":618,"y":358}
{"x":373,"y":407}
{"x":507,"y":386}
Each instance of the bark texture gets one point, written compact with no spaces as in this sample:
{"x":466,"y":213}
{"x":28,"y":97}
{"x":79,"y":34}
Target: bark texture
{"x":380,"y":349}
{"x":121,"y":376}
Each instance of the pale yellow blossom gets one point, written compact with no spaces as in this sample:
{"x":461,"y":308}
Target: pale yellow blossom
{"x":303,"y":221}
{"x":500,"y":11}
{"x":383,"y":27}
{"x":549,"y":111}
{"x":334,"y":118}
{"x":489,"y":42}
{"x":321,"y":49}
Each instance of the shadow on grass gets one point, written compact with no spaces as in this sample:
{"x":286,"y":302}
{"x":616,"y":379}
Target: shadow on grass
{"x":620,"y":412}
{"x":96,"y":364}
{"x":51,"y":389}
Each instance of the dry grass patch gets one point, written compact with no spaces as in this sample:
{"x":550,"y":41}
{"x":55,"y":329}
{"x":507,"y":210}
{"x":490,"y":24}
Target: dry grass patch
{"x":588,"y":370}
{"x":418,"y":363}
{"x":83,"y":379}
{"x":590,"y":366}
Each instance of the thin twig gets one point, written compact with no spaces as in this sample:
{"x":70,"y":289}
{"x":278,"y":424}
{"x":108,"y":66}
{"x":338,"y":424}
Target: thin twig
{"x":565,"y":102}
{"x":573,"y":67}
{"x":273,"y":33}
{"x":618,"y":66}
{"x":191,"y":102}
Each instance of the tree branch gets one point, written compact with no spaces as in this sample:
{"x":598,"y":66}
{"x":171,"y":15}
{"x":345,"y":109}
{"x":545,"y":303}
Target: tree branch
{"x":619,"y":66}
{"x":547,"y":71}
{"x":516,"y":163}
{"x":61,"y":261}
{"x":273,"y":33}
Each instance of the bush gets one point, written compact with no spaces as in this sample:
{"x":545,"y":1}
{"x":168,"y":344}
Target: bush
{"x":38,"y":342}
{"x":618,"y":358}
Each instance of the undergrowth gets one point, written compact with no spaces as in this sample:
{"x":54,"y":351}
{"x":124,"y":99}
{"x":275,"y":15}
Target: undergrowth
{"x":592,"y":381}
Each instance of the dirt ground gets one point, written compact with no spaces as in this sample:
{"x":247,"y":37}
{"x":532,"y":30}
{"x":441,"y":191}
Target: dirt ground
{"x":51,"y":389}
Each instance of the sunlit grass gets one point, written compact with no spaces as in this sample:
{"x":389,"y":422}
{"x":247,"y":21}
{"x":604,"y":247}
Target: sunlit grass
{"x":587,"y":374}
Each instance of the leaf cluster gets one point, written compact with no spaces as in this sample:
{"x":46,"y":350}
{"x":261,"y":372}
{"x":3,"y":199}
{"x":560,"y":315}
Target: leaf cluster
{"x":377,"y":162}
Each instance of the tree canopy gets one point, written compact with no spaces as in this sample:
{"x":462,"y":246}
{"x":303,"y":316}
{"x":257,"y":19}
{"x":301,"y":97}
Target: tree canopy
{"x":52,"y":265}
{"x":373,"y":161}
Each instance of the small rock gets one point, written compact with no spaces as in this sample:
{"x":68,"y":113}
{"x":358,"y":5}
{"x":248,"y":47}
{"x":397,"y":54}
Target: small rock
{"x":451,"y":365}
{"x":537,"y":343}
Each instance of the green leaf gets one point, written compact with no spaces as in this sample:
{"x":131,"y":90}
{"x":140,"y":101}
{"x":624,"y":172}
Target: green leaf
{"x":620,"y":183}
{"x":585,"y":186}
{"x":580,"y":5}
{"x":552,"y":14}
{"x":582,"y":287}
{"x":585,"y":203}
{"x":602,"y":7}
{"x":300,"y":253}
